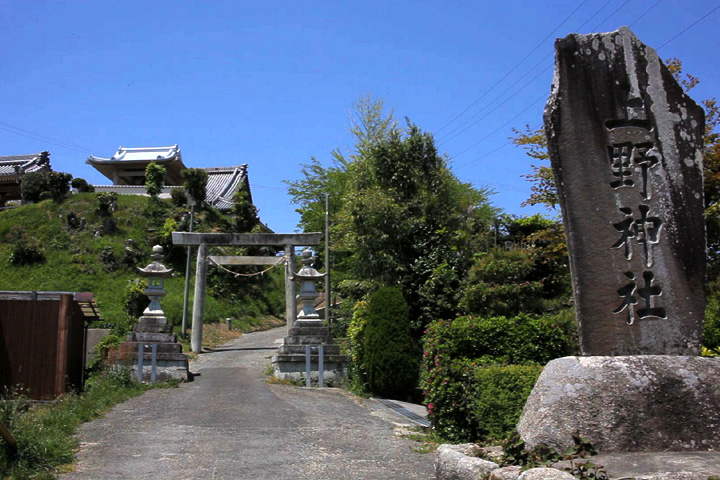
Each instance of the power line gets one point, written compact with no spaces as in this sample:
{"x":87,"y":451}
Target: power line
{"x":35,"y":136}
{"x":690,"y":26}
{"x":500,"y":127}
{"x":494,"y":109}
{"x":613,"y":13}
{"x":645,"y":13}
{"x":514,"y":68}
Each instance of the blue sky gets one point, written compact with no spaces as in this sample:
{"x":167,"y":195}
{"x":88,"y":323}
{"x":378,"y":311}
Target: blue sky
{"x":271,"y":84}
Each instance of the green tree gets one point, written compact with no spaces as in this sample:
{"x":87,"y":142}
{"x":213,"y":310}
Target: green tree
{"x":244,"y":212}
{"x":154,"y":179}
{"x":196,"y":180}
{"x":36,"y":186}
{"x":389,"y":361}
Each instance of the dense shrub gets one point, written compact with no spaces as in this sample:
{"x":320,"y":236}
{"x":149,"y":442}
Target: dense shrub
{"x":81,"y":185}
{"x":25,"y":251}
{"x":356,"y":346}
{"x":134,"y":299}
{"x":388,"y":357}
{"x":178,"y":197}
{"x":499,"y":395}
{"x":106,"y":203}
{"x":154,"y":179}
{"x":454,"y":352}
{"x":498,"y":284}
{"x":36,"y":186}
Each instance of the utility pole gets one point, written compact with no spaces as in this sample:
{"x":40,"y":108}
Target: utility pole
{"x":328,"y":308}
{"x":191,"y":201}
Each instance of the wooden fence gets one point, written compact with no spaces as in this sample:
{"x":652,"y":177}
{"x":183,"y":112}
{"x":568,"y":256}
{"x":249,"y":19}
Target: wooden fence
{"x":42,"y":345}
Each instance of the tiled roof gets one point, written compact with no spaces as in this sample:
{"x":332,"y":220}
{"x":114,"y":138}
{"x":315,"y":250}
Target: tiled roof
{"x":222,"y":184}
{"x":20,"y":164}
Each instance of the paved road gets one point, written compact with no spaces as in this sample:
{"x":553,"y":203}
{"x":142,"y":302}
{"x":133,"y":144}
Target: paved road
{"x":230,"y":424}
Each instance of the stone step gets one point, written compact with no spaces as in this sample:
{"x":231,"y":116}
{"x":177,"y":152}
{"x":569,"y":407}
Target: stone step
{"x":309,"y":340}
{"x":152,"y":328}
{"x":328,"y":350}
{"x":153,"y":321}
{"x":297,"y":358}
{"x":165,"y":357}
{"x":312,"y":323}
{"x":308,"y":331}
{"x":161,"y":347}
{"x":152,"y":337}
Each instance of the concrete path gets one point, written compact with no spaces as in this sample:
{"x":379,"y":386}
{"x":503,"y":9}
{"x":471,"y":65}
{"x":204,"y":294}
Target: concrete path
{"x":230,"y":424}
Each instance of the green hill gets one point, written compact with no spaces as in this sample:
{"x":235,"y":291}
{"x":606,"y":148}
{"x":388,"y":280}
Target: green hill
{"x":85,"y":256}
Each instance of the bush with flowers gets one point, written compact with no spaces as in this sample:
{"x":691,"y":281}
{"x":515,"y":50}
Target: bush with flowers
{"x":478,"y":372}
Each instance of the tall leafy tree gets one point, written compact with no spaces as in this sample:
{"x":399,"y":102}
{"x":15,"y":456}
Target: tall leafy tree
{"x":400,"y":216}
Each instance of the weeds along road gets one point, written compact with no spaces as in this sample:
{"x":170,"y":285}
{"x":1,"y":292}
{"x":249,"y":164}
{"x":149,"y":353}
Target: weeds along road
{"x":230,"y":424}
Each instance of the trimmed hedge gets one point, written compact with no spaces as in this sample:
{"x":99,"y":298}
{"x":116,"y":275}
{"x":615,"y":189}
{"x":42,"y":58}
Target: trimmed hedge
{"x":478,"y":372}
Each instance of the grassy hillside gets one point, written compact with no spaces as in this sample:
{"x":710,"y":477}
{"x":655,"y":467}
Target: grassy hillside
{"x":74,"y":258}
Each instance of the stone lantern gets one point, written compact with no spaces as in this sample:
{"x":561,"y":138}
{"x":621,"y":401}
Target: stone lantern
{"x":151,"y":346}
{"x":155,"y":273}
{"x":307,"y":276}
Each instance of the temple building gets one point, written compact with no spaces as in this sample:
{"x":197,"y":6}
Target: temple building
{"x":126,"y":171}
{"x":12,"y":169}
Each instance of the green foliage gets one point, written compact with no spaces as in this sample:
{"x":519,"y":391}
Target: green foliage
{"x":25,"y":251}
{"x":356,"y":346}
{"x":81,"y":185}
{"x":106,"y":203}
{"x":178,"y":196}
{"x":459,"y":398}
{"x":498,"y":395}
{"x":73,"y":259}
{"x":134,"y":300}
{"x":45,"y":432}
{"x":711,"y":330}
{"x":398,"y":215}
{"x":196,"y":184}
{"x":388,"y":356}
{"x":498,"y":285}
{"x":154,"y":179}
{"x":244,"y":212}
{"x":37,"y":186}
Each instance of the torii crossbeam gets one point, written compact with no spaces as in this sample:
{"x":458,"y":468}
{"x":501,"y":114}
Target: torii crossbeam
{"x":286,"y":240}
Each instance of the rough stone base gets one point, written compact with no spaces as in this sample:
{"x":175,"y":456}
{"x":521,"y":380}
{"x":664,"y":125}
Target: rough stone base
{"x":163,"y":373}
{"x":334,"y":373}
{"x":626,"y":404}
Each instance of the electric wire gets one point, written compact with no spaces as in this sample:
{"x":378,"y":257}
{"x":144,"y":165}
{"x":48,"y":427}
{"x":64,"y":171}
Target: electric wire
{"x":609,"y":16}
{"x":44,"y":138}
{"x":513,"y":68}
{"x":690,"y":26}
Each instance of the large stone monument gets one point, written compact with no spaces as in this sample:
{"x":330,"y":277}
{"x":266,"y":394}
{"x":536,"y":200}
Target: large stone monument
{"x":626,"y":149}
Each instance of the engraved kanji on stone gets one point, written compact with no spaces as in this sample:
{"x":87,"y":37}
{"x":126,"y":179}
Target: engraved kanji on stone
{"x":627,"y":293}
{"x":647,"y":293}
{"x":631,"y":146}
{"x":645,"y":230}
{"x":646,"y":156}
{"x":621,"y":166}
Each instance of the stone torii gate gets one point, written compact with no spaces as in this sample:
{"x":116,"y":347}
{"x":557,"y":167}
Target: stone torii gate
{"x":202,"y":240}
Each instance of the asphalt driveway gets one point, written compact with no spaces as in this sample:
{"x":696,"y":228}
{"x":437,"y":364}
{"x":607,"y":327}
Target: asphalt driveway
{"x":229,"y":423}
